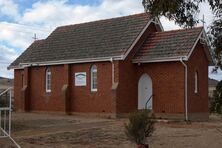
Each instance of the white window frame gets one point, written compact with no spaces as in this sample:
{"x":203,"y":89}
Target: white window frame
{"x":94,"y":79}
{"x":196,"y":86}
{"x":48,"y":80}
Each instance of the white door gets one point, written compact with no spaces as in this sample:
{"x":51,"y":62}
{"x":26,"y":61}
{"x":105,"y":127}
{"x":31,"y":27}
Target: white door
{"x":145,"y":91}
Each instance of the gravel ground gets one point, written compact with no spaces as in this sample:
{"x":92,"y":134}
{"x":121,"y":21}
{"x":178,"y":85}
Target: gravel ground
{"x":32,"y":130}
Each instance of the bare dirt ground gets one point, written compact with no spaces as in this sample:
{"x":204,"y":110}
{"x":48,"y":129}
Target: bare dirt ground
{"x":33,"y":130}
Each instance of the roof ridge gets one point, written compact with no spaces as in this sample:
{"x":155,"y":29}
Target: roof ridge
{"x":101,"y":20}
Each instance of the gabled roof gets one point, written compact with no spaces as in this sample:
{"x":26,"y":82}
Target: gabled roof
{"x":93,"y":40}
{"x":169,"y":45}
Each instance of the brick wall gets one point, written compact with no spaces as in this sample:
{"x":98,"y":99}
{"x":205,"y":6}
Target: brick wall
{"x":81,"y":97}
{"x":83,"y":100}
{"x":168,"y":87}
{"x":39,"y":98}
{"x":198,"y":102}
{"x":17,"y":89}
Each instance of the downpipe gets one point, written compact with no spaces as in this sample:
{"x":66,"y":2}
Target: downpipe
{"x":185,"y":91}
{"x":113,"y":72}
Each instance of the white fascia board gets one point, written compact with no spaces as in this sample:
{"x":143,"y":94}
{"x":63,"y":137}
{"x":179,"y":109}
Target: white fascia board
{"x":140,"y":35}
{"x":160,"y":60}
{"x":207,"y":47}
{"x":194,"y":45}
{"x":202,"y":34}
{"x":206,"y":38}
{"x":157,"y":21}
{"x":13,"y":67}
{"x":61,"y":62}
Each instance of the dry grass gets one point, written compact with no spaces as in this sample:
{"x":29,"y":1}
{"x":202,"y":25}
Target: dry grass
{"x":59,"y":131}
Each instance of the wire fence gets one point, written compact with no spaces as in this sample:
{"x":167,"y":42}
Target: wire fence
{"x":5,"y":115}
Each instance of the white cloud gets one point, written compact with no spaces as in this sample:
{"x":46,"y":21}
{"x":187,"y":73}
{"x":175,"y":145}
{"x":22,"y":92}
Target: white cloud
{"x":18,"y":36}
{"x":55,"y":13}
{"x":208,"y":17}
{"x":7,"y":55}
{"x":8,"y":8}
{"x":216,"y":75}
{"x":168,"y":25}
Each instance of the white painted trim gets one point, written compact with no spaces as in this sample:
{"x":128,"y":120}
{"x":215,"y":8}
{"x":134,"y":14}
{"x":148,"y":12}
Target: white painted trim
{"x":89,"y":60}
{"x":206,"y":38}
{"x":197,"y":40}
{"x":161,"y":60}
{"x":14,"y":67}
{"x":138,"y":37}
{"x":91,"y":77}
{"x":185,"y":58}
{"x":113,"y":71}
{"x":209,"y":56}
{"x":48,"y":73}
{"x":136,"y":40}
{"x":185,"y":91}
{"x":196,"y":81}
{"x":157,"y":21}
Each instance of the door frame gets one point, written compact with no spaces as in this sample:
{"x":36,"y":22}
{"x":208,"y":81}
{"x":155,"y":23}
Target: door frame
{"x":143,"y":95}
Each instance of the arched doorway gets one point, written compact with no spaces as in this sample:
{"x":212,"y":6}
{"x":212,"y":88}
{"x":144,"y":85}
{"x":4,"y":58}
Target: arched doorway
{"x":145,"y":92}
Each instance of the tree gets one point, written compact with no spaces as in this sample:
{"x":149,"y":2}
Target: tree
{"x":216,"y":105}
{"x":185,"y":12}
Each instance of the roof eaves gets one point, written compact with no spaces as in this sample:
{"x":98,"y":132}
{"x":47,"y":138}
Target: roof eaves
{"x":170,"y":59}
{"x":23,"y":65}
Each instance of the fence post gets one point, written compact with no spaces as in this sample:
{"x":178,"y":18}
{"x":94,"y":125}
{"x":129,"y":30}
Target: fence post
{"x":10,"y":110}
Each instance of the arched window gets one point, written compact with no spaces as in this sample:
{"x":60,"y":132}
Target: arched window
{"x":196,"y":83}
{"x":93,"y":78}
{"x":48,"y":80}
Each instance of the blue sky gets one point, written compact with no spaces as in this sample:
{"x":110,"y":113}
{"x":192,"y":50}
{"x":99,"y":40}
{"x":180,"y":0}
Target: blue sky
{"x":21,"y":19}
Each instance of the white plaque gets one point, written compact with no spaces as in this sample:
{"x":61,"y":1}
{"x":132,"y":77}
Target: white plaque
{"x":80,"y":79}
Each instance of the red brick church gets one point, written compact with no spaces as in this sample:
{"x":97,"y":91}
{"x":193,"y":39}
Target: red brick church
{"x":116,"y":66}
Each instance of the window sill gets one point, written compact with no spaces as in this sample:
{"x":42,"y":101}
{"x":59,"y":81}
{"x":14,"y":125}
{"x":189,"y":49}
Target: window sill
{"x":48,"y":91}
{"x":93,"y":90}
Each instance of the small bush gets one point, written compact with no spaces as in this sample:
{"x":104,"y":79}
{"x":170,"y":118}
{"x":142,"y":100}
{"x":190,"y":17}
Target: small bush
{"x":140,"y":126}
{"x":216,"y":104}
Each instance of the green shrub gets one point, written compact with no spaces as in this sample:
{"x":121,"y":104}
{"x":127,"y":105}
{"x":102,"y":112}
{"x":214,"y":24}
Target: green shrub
{"x":140,"y":126}
{"x":216,"y":104}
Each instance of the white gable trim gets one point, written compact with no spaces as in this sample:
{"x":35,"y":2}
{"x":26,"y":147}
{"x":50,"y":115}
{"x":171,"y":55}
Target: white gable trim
{"x":195,"y":44}
{"x":157,"y":21}
{"x":185,"y":58}
{"x":140,"y":35}
{"x":202,"y":36}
